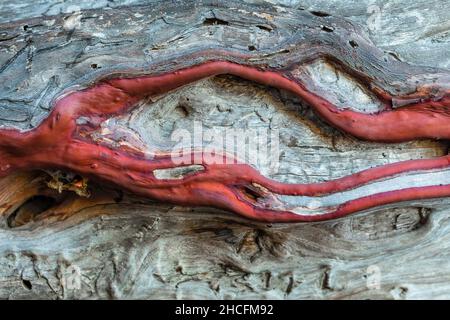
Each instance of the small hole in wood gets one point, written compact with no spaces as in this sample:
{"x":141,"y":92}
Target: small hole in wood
{"x":327,"y":28}
{"x":251,"y":48}
{"x":251,"y":193}
{"x":176,"y":173}
{"x":214,"y":21}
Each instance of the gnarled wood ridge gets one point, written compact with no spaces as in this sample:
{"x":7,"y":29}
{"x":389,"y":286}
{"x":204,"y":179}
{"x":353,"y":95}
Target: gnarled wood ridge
{"x":326,"y":61}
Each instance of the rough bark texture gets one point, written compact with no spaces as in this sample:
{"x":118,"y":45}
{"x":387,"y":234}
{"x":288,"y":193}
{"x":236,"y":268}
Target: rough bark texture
{"x":123,"y":246}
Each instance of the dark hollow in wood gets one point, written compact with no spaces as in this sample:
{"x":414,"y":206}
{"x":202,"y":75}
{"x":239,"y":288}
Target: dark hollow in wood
{"x":413,"y":103}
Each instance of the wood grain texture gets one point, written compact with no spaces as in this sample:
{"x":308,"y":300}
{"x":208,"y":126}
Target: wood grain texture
{"x":129,"y":247}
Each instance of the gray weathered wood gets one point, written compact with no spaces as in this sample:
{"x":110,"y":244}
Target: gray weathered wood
{"x":127,"y":247}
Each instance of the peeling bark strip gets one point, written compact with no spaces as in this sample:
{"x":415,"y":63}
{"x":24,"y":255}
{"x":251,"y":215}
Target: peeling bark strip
{"x":323,"y":60}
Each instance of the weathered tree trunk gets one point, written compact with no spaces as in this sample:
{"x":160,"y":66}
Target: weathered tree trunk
{"x":76,"y":225}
